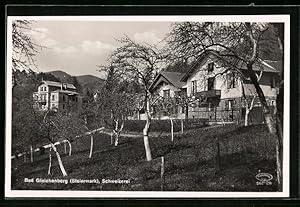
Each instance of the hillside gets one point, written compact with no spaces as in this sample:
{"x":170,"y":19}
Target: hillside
{"x":62,"y":76}
{"x":191,"y":162}
{"x":90,"y":82}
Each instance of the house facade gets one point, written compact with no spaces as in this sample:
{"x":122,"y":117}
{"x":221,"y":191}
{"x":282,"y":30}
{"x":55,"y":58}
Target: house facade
{"x":215,"y":92}
{"x":55,"y":95}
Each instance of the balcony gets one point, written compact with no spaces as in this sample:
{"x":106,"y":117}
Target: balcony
{"x":209,"y":94}
{"x":40,"y":100}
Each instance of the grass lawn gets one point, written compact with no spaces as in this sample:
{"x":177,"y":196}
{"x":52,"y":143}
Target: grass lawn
{"x":190,"y":162}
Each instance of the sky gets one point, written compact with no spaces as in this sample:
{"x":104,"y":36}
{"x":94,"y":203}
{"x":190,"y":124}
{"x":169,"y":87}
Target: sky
{"x":77,"y":47}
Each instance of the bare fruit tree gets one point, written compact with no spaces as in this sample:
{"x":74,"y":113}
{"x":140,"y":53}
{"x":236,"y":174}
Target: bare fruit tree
{"x":117,"y":98}
{"x":57,"y":127}
{"x":139,"y":62}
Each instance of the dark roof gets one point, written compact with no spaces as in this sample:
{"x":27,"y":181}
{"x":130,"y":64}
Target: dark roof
{"x":66,"y":91}
{"x":265,"y":65}
{"x":276,"y":66}
{"x":58,"y":84}
{"x":172,"y":77}
{"x":195,"y":65}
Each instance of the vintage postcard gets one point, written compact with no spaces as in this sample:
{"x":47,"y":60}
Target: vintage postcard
{"x":147,"y":106}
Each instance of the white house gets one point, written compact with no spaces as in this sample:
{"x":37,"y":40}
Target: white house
{"x":214,"y":91}
{"x":55,"y":95}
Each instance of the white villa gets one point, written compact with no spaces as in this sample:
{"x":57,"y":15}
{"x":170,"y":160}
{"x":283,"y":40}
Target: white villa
{"x":55,"y":95}
{"x":214,"y":92}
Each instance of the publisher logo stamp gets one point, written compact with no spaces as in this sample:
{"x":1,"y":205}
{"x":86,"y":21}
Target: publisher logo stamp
{"x":264,"y":179}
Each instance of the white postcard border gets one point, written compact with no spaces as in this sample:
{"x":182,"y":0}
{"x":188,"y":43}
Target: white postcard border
{"x":152,"y":194}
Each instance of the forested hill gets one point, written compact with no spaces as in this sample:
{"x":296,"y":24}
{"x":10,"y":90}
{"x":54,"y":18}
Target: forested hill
{"x":83,"y":83}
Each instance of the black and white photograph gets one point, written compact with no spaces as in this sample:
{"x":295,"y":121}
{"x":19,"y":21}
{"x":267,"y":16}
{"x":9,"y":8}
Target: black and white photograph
{"x":147,"y":106}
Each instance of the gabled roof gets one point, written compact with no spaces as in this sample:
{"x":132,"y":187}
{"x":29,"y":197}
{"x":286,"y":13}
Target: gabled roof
{"x":273,"y":66}
{"x":195,"y":65}
{"x":267,"y":65}
{"x":170,"y":77}
{"x":66,"y":91}
{"x":58,"y":84}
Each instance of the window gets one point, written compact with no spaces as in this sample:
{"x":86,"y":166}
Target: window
{"x":45,"y":88}
{"x":272,"y":82}
{"x":166,"y":93}
{"x":231,"y":80}
{"x":210,"y":83}
{"x":183,"y":109}
{"x":184,"y":92}
{"x":230,"y":104}
{"x":194,"y":87}
{"x":63,"y":98}
{"x":41,"y":88}
{"x":53,"y":97}
{"x":210,"y":67}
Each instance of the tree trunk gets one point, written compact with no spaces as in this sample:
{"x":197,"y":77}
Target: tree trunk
{"x":70,"y":147}
{"x":172,"y":130}
{"x":50,"y":162}
{"x":146,"y":131}
{"x":117,"y":138}
{"x":162,"y":174}
{"x":65,"y":147}
{"x":247,"y":117}
{"x":61,"y":166}
{"x":91,"y":147}
{"x":266,"y":109}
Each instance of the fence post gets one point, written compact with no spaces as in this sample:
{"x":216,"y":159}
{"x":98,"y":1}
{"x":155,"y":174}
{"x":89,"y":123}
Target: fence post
{"x":162,"y":172}
{"x":218,"y":156}
{"x":215,"y":113}
{"x":181,"y":126}
{"x":31,"y":154}
{"x":111,"y":138}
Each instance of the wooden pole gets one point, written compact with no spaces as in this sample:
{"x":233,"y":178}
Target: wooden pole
{"x":31,"y":154}
{"x":181,"y":126}
{"x":111,"y":138}
{"x":218,"y":156}
{"x":172,"y":130}
{"x":162,"y":172}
